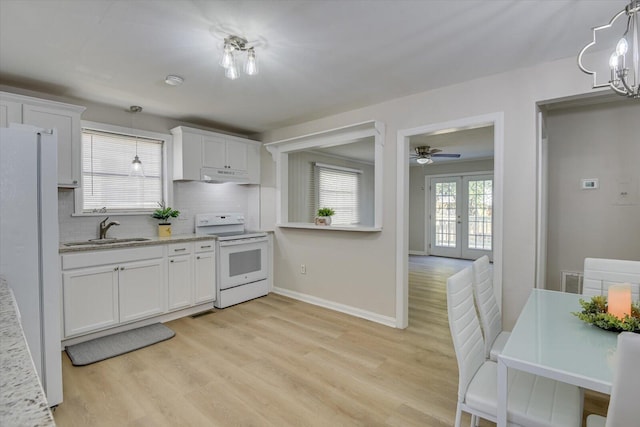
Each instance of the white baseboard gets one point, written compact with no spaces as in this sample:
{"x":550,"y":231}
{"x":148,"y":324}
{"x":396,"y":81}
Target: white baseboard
{"x":418,"y":253}
{"x":342,"y":308}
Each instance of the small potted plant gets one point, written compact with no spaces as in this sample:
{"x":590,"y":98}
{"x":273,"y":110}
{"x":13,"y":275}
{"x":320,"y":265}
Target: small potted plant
{"x":324,"y":216}
{"x":163,"y":213}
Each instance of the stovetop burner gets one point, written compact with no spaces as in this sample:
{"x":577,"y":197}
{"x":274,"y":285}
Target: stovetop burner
{"x":226,"y":226}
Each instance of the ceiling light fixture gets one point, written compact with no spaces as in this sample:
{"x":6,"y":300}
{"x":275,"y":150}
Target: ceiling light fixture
{"x":625,"y":70}
{"x":228,"y":62}
{"x":173,"y":80}
{"x":424,"y":160}
{"x":136,"y":169}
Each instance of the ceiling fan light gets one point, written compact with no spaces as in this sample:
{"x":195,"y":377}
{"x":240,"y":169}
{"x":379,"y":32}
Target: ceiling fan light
{"x":424,"y":160}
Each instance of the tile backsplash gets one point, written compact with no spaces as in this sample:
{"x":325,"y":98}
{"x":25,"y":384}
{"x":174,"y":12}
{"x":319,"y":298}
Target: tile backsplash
{"x":189,"y":197}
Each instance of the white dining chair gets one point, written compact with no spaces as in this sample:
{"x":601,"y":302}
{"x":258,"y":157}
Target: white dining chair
{"x":624,"y":410}
{"x":600,"y":273}
{"x":533,"y":401}
{"x":488,"y":310}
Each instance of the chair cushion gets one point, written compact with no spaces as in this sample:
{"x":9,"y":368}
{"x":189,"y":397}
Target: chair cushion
{"x":596,"y":421}
{"x":533,"y":401}
{"x":498,"y":345}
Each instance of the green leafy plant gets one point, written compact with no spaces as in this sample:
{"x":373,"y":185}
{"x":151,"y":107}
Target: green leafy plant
{"x":164,"y":213}
{"x":326,"y":212}
{"x":595,"y":313}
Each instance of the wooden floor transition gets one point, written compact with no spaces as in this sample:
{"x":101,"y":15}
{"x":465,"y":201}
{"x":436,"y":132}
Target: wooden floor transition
{"x":275,"y":361}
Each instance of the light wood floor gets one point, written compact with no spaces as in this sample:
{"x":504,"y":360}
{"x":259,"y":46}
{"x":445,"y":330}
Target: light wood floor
{"x":275,"y":361}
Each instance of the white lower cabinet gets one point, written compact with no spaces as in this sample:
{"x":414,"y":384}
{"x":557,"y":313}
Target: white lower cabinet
{"x":102,"y":289}
{"x":180,"y":275}
{"x":141,"y":289}
{"x":205,"y":272}
{"x":90,"y":299}
{"x":112,"y":287}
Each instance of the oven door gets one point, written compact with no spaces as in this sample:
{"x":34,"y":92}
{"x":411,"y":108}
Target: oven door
{"x":242,"y":261}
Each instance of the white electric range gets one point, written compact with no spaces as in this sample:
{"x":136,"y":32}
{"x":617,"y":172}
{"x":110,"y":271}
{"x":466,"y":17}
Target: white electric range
{"x":242,"y":258}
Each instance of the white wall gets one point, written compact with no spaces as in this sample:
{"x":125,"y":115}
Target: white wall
{"x":602,"y":142}
{"x":358,"y":269}
{"x":417,"y":194}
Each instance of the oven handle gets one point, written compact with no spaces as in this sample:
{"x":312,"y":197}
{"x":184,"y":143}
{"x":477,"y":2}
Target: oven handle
{"x":223,"y":243}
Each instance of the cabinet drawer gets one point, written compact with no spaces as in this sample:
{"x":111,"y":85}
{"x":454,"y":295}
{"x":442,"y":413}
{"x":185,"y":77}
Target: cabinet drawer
{"x":205,"y":246}
{"x":110,"y":256}
{"x":179,"y":248}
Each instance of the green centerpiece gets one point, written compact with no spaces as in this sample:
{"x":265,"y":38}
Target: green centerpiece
{"x":595,"y":313}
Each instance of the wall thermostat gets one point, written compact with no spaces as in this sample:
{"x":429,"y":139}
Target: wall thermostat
{"x":589,"y":183}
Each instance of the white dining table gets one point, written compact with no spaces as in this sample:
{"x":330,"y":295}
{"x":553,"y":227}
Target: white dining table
{"x":549,"y":341}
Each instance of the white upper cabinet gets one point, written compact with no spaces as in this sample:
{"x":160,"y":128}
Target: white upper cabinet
{"x":209,"y":156}
{"x":65,"y":118}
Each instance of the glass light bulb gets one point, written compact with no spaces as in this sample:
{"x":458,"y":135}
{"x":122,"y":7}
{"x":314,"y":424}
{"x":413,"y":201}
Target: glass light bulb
{"x":251,"y":68}
{"x":613,"y":61}
{"x":622,"y":47}
{"x":227,"y":56}
{"x":232,"y":71}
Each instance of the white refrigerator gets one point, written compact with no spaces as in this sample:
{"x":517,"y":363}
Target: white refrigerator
{"x":29,"y":244}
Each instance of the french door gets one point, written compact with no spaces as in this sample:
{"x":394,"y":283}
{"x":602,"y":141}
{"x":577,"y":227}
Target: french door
{"x":460,"y":220}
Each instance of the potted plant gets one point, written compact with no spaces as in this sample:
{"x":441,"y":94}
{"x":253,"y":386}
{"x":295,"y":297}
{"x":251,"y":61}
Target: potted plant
{"x":324,"y":216}
{"x":163,"y":213}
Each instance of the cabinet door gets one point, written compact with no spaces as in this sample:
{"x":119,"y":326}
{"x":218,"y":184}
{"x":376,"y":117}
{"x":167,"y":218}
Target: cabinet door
{"x":68,"y":126}
{"x":90,"y":299}
{"x":237,"y":155}
{"x":141,"y":289}
{"x":205,"y":277}
{"x":10,"y":112}
{"x":187,"y":155}
{"x":214,"y":152}
{"x":180,"y":281}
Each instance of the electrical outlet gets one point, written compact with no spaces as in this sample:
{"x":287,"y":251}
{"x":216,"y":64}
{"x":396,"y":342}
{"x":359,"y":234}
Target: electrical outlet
{"x":303,"y":269}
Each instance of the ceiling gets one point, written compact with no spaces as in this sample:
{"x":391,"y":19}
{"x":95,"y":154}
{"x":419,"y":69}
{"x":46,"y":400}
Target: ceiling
{"x":318,"y":57}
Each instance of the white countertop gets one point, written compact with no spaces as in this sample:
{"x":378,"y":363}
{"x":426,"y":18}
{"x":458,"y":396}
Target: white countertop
{"x":22,"y":400}
{"x":153,"y":240}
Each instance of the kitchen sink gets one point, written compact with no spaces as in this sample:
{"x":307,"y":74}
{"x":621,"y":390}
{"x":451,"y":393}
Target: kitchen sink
{"x":106,"y":241}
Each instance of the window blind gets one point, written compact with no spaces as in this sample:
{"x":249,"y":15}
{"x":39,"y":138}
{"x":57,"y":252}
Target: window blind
{"x":106,"y":162}
{"x":338,"y":188}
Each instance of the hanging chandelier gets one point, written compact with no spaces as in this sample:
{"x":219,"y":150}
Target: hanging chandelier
{"x":623,"y":62}
{"x":228,"y":62}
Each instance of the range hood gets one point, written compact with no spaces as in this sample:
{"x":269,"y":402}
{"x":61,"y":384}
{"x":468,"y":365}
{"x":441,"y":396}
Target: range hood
{"x":224,"y":175}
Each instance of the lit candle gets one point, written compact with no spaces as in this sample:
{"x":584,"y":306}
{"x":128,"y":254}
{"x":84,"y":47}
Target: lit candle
{"x":619,"y":300}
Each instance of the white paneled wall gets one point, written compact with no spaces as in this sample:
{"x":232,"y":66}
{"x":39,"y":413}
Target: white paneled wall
{"x":190,"y":198}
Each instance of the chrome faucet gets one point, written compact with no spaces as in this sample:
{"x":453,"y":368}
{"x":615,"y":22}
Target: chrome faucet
{"x":104,"y":228}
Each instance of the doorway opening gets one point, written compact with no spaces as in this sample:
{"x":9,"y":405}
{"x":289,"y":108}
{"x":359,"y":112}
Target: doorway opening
{"x":495,"y":121}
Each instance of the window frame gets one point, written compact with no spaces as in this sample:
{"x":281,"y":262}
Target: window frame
{"x":167,"y":170}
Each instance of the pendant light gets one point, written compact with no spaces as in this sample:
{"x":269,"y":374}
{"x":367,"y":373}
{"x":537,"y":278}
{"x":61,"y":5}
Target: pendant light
{"x":136,"y":169}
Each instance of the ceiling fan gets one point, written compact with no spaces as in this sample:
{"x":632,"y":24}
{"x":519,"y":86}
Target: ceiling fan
{"x":425,"y":153}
